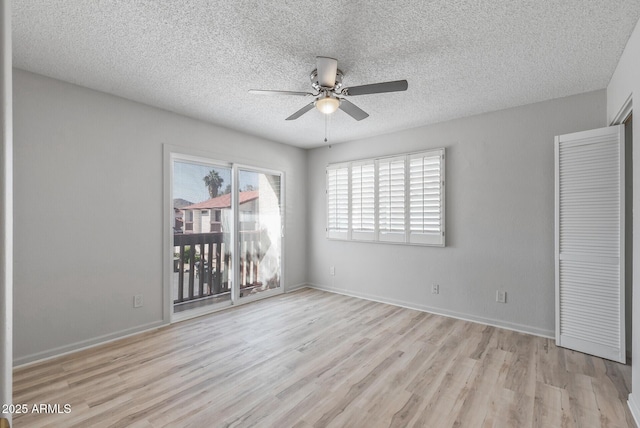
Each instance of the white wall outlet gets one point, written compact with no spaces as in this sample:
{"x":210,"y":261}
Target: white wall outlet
{"x":435,"y":289}
{"x":501,"y":296}
{"x":332,"y":270}
{"x":137,"y":301}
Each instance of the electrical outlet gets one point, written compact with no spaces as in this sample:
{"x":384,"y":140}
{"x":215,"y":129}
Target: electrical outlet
{"x":332,"y":270}
{"x":501,"y":296}
{"x":435,"y":289}
{"x":137,"y":301}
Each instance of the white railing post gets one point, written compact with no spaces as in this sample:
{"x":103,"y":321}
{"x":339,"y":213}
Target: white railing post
{"x":6,"y":212}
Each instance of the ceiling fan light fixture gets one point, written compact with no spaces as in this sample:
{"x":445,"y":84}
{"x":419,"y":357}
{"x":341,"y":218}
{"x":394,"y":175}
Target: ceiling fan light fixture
{"x":327,"y":104}
{"x":329,"y":96}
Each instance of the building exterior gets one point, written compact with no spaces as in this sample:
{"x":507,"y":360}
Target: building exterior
{"x":213,"y":215}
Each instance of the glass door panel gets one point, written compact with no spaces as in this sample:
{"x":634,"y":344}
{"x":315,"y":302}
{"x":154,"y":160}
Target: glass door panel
{"x":259,"y":232}
{"x":202,"y":234}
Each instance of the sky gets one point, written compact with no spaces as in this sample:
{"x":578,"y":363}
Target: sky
{"x":188,"y":180}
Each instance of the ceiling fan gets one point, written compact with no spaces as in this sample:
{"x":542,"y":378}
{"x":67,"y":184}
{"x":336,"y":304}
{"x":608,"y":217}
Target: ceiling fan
{"x":326,"y":79}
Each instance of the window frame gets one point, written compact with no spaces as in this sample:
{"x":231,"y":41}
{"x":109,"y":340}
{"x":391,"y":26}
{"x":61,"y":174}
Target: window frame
{"x":428,"y":238}
{"x":379,"y":235}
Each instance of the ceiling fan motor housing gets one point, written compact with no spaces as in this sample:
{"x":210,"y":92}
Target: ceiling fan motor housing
{"x":316,"y":85}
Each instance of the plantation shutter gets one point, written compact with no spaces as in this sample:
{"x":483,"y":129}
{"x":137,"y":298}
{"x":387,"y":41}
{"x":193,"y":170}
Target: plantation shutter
{"x":363,"y":200}
{"x":338,"y":201}
{"x":426,"y":198}
{"x":391,"y":199}
{"x":590,"y":242}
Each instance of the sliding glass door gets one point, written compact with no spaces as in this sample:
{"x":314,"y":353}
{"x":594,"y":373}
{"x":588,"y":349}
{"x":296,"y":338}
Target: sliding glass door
{"x":202,"y":230}
{"x":259,"y":232}
{"x":226,"y":234}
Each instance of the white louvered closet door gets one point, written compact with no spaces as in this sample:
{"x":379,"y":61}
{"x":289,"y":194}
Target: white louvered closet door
{"x":589,"y":169}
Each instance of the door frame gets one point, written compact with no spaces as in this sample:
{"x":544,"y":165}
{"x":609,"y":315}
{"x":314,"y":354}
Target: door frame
{"x":170,"y":153}
{"x":620,"y":119}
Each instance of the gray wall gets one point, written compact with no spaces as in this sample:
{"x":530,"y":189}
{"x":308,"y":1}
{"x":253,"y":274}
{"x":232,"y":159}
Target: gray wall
{"x":499,"y":217}
{"x":88,"y":205}
{"x":88,"y":210}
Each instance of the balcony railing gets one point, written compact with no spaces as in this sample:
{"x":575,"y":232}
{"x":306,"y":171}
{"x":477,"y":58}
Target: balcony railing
{"x":203,"y":264}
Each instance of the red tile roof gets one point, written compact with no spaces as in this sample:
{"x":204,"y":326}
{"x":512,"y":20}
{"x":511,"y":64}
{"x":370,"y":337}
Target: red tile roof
{"x":223,"y":201}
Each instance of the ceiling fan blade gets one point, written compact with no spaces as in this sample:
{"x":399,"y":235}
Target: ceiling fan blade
{"x":300,"y":112}
{"x":353,"y":110}
{"x":267,"y":92}
{"x":327,"y":69}
{"x":377,"y":88}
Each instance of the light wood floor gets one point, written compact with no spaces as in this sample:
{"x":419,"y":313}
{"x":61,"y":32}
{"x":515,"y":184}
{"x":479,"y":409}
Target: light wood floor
{"x":315,"y":359}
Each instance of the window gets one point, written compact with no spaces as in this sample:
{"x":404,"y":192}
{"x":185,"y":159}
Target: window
{"x":391,"y":190}
{"x":338,"y":201}
{"x":398,"y":199}
{"x":425,"y":198}
{"x":363,"y":200}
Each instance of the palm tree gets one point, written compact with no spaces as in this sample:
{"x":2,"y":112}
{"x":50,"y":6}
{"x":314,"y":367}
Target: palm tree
{"x":213,"y":181}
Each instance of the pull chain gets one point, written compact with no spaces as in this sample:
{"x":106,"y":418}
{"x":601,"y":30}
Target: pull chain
{"x":326,"y":119}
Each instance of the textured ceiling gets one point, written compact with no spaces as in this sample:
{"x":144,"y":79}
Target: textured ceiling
{"x":199,"y":58}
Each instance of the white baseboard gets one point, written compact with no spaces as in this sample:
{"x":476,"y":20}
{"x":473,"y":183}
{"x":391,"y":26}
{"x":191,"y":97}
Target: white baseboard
{"x":521,"y":328}
{"x":289,"y":288}
{"x":49,"y":354}
{"x":90,"y":343}
{"x":634,"y":408}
